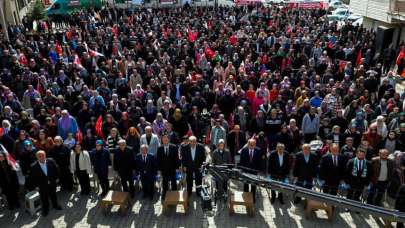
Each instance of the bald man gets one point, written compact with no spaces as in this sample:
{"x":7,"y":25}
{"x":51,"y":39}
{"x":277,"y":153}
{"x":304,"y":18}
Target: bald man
{"x":44,"y":175}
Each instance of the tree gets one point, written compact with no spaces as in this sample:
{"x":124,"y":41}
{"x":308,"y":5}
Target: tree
{"x":38,"y":11}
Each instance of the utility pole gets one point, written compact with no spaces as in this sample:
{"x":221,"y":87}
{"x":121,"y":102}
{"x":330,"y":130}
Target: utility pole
{"x":3,"y":20}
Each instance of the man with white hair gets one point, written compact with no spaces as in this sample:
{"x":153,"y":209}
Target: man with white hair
{"x":192,"y":159}
{"x":151,"y":140}
{"x":146,"y":166}
{"x":123,"y":164}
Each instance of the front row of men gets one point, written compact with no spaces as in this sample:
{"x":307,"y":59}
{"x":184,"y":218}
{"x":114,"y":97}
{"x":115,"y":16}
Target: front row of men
{"x":334,"y":169}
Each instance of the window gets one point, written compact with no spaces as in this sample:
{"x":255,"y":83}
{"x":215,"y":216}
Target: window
{"x":21,"y":4}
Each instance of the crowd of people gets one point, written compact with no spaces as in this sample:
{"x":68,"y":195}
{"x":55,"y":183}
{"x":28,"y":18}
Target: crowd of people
{"x":146,"y":91}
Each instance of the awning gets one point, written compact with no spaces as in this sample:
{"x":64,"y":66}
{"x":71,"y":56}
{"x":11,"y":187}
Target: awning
{"x":248,"y":2}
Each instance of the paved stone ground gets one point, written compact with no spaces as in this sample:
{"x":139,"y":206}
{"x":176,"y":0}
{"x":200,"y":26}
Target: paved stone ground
{"x":80,"y":211}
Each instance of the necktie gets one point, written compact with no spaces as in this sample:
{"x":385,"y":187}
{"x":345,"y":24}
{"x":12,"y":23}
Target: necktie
{"x":144,"y":159}
{"x":166,"y":151}
{"x":334,"y":160}
{"x":251,"y":155}
{"x":361,"y":161}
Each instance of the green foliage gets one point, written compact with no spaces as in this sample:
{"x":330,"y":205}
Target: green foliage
{"x":38,"y":11}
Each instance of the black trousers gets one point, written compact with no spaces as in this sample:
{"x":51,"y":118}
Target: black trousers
{"x":331,"y":188}
{"x":11,"y":196}
{"x":355,"y":192}
{"x":148,"y":185}
{"x":377,"y":192}
{"x":194,"y":176}
{"x":166,"y":178}
{"x":128,"y":184}
{"x":273,"y":192}
{"x":84,"y":181}
{"x":66,"y":183}
{"x":105,"y":185}
{"x":46,"y":193}
{"x":305,"y":184}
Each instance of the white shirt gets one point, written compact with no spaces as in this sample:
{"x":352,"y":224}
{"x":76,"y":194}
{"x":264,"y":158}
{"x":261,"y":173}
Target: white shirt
{"x":383,"y":171}
{"x":44,"y":168}
{"x":280,"y":159}
{"x":193,"y":153}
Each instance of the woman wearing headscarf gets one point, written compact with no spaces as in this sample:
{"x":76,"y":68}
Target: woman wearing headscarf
{"x":66,"y":124}
{"x":360,"y":123}
{"x":180,"y":125}
{"x":9,"y":181}
{"x":159,"y":124}
{"x":381,"y":127}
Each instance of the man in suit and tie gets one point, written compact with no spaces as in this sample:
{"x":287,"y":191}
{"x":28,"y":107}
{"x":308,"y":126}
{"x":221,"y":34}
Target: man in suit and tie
{"x":168,"y":162}
{"x":358,"y":174}
{"x":332,"y":170}
{"x":123,"y":164}
{"x":146,"y":166}
{"x":304,"y":170}
{"x":221,"y":156}
{"x":192,"y":159}
{"x":279,"y":168}
{"x":251,"y":161}
{"x":44,"y":174}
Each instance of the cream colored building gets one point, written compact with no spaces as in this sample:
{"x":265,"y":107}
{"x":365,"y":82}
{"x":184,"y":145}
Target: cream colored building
{"x":383,"y":15}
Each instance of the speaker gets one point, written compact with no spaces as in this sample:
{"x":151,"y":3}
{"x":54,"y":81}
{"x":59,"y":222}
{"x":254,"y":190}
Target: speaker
{"x":383,"y":38}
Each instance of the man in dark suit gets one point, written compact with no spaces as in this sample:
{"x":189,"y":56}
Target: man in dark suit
{"x":358,"y":175}
{"x":123,"y":164}
{"x":44,"y":174}
{"x":168,"y":162}
{"x":383,"y":171}
{"x":305,"y":167}
{"x":251,"y":161}
{"x":146,"y":166}
{"x":192,"y":159}
{"x":279,"y":168}
{"x":332,"y":168}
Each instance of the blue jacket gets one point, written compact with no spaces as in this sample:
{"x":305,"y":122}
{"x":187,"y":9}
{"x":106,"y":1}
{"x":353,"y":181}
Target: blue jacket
{"x":100,"y":161}
{"x":310,"y":126}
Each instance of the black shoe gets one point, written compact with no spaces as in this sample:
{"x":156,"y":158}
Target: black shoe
{"x":281,"y":201}
{"x":44,"y":213}
{"x":57,"y":207}
{"x":347,"y":210}
{"x":297,"y":200}
{"x":273,"y":200}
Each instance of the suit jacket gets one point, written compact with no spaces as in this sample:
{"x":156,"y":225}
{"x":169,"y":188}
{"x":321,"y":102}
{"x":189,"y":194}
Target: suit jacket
{"x":329,"y":172}
{"x":376,"y":165}
{"x":153,"y":145}
{"x":256,"y":164}
{"x":146,"y":170}
{"x":124,"y":161}
{"x":231,"y":141}
{"x":168,"y":164}
{"x":277,"y":171}
{"x":358,"y":179}
{"x":39,"y":179}
{"x":302,"y":169}
{"x":219,"y":158}
{"x":186,"y":158}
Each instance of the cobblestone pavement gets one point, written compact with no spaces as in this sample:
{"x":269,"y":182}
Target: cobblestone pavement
{"x":80,"y":211}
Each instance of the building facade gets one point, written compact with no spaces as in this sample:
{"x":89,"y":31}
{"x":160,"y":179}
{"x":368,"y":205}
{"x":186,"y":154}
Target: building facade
{"x":383,"y":15}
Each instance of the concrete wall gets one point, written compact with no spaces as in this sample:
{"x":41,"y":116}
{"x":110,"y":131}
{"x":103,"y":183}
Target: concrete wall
{"x":375,"y":9}
{"x":12,"y":14}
